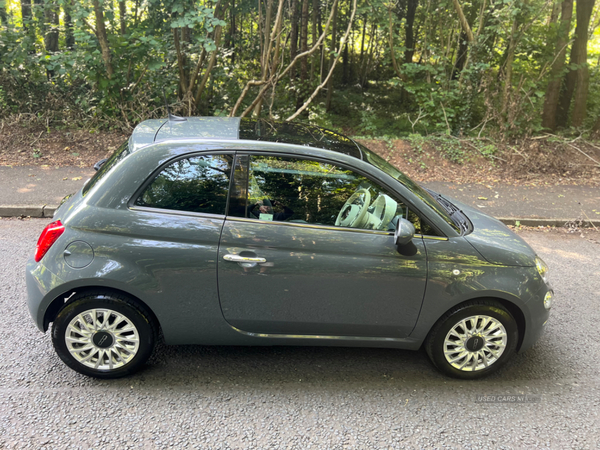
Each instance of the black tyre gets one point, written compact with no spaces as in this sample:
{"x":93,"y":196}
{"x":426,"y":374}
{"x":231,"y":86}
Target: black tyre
{"x":104,"y":335}
{"x":473,"y":339}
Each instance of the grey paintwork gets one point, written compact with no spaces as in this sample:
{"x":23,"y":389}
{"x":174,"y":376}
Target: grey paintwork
{"x":320,"y":286}
{"x":319,"y":281}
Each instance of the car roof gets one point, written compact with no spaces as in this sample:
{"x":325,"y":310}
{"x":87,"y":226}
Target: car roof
{"x":236,"y":128}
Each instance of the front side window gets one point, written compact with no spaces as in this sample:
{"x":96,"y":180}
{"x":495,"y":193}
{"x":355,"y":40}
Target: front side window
{"x":314,"y":192}
{"x":197,"y":184}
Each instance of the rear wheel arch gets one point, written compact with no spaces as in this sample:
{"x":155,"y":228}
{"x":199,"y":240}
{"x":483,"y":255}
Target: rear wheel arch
{"x":63,"y":299}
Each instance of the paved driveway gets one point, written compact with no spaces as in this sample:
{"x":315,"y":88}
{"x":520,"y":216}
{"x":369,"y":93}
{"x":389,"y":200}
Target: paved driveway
{"x":234,"y":397}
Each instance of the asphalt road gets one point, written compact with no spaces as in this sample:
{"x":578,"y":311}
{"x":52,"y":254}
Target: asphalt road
{"x":300,"y":397}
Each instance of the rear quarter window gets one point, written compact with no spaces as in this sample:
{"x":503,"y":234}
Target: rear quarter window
{"x":119,"y":154}
{"x":197,"y":184}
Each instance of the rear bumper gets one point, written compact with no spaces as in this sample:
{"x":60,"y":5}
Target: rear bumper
{"x":40,"y":281}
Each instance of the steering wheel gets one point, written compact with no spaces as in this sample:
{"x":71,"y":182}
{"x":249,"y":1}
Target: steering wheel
{"x":384,"y":209}
{"x":354,"y":210}
{"x":263,"y":206}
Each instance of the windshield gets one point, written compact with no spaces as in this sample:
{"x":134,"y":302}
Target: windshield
{"x":117,"y":156}
{"x":382,"y":164}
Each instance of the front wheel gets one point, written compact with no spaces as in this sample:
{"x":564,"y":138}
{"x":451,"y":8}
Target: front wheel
{"x":473,"y":340}
{"x":103,"y":335}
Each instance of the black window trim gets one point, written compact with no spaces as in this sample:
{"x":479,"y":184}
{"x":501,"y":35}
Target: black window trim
{"x":250,"y":153}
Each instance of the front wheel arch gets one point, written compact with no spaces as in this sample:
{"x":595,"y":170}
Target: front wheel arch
{"x":497,"y":308}
{"x":512,"y":308}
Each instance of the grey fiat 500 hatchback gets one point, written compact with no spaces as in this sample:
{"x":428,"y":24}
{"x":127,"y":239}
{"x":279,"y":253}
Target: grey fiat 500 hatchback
{"x":229,"y":231}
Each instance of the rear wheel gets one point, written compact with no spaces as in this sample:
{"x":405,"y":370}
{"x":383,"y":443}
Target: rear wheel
{"x":473,"y":340}
{"x":104,"y":335}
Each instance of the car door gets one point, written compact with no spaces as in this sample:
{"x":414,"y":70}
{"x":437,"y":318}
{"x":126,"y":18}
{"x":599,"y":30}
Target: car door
{"x":307,"y":249}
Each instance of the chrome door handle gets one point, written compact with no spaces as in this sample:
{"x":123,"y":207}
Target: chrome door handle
{"x":238,"y":258}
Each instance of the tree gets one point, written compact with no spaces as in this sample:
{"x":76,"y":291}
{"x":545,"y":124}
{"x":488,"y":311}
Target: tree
{"x":409,"y":43}
{"x":577,"y":79}
{"x":51,"y":11}
{"x":100,"y":32}
{"x":558,"y":66}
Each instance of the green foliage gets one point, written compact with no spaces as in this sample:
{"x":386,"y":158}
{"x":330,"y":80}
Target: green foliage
{"x":447,"y":88}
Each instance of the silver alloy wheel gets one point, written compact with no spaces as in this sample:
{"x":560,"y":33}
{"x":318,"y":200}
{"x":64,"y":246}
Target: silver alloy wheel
{"x":102,"y":339}
{"x":475,"y":343}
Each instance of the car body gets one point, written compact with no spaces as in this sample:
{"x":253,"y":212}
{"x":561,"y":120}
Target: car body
{"x":229,"y":231}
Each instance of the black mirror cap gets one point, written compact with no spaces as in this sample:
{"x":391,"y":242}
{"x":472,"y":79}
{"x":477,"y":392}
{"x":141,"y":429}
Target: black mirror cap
{"x":405,"y":232}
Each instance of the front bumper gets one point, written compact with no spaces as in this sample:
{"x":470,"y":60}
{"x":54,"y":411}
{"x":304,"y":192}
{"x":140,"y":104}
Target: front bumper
{"x":536,"y":321}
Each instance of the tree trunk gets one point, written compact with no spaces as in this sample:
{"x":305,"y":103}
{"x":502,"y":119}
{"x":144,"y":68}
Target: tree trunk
{"x":26,"y":14}
{"x":553,"y":89}
{"x":123,"y":17}
{"x":69,"y":36}
{"x":509,"y":66}
{"x":345,"y":66}
{"x":51,"y":18}
{"x":294,"y":36}
{"x":303,"y":48}
{"x":343,"y":42}
{"x":466,"y":40}
{"x":596,"y":127}
{"x":332,"y":58}
{"x":232,"y":31}
{"x":315,"y":37}
{"x":102,"y":38}
{"x":584,"y":13}
{"x":39,"y":18}
{"x":136,"y":16}
{"x":463,"y":21}
{"x":365,"y":69}
{"x":3,"y":14}
{"x":362,"y":41}
{"x":266,"y":50}
{"x":391,"y":43}
{"x":180,"y":63}
{"x":556,"y":9}
{"x":211,"y":64}
{"x":411,"y":9}
{"x":461,"y":55}
{"x":578,"y":78}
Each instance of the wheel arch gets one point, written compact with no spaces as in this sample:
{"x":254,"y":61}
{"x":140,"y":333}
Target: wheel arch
{"x":510,"y":306}
{"x":62,"y":299}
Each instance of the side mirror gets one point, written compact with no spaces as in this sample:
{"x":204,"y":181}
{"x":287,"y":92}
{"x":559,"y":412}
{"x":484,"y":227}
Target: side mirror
{"x":405,"y":232}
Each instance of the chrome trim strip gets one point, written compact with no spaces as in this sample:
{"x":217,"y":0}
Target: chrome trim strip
{"x":308,"y":225}
{"x":314,"y":336}
{"x":176,"y":212}
{"x":433,"y":238}
{"x":326,"y":227}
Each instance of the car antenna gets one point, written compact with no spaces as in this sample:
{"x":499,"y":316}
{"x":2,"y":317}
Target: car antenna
{"x":172,"y":117}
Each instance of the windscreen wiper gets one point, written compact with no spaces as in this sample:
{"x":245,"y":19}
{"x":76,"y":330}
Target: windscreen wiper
{"x":453,"y":211}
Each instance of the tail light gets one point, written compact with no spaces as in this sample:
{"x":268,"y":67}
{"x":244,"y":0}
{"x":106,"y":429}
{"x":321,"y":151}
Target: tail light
{"x":48,"y":237}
